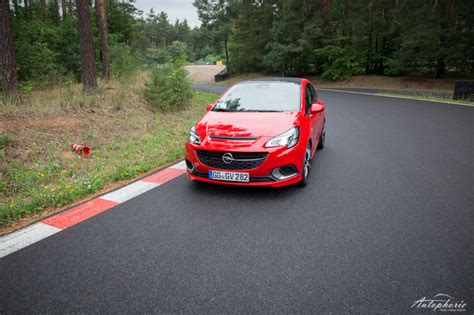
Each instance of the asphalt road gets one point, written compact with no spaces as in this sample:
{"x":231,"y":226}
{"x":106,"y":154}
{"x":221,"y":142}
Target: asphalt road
{"x":386,"y":220}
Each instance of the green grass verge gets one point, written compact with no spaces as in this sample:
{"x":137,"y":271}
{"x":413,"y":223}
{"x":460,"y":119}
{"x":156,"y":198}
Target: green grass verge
{"x":429,"y":98}
{"x":146,"y":140}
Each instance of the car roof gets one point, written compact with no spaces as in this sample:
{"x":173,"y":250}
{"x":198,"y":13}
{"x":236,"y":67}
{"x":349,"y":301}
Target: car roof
{"x":275,"y":79}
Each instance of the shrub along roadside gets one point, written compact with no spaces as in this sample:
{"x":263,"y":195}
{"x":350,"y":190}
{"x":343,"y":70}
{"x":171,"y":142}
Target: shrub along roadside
{"x":126,"y":142}
{"x":169,"y":88}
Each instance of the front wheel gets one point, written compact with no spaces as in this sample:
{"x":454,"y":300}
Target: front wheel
{"x":306,"y":167}
{"x":322,"y":139}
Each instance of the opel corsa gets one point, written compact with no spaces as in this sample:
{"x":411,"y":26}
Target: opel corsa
{"x":261,"y":132}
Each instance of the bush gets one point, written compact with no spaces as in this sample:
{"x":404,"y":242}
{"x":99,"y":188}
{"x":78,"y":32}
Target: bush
{"x":169,"y":88}
{"x":176,"y":51}
{"x":35,"y":43}
{"x":123,"y":61}
{"x":338,"y":63}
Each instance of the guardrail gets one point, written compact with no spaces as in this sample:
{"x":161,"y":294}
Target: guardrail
{"x":222,"y":75}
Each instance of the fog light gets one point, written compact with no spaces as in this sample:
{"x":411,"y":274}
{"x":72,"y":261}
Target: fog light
{"x":284,"y":172}
{"x":190,"y":166}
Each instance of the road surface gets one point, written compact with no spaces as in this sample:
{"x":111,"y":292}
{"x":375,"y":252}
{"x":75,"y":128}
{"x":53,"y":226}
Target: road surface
{"x":203,"y":73}
{"x":386,"y":220}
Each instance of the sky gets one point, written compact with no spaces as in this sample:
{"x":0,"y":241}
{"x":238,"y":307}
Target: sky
{"x":176,"y":9}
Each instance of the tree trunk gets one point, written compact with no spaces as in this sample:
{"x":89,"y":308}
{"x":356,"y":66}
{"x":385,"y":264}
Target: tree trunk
{"x":327,"y":4}
{"x":369,"y":49}
{"x":440,"y":69}
{"x":71,"y":7}
{"x":89,"y":77}
{"x":10,"y":79}
{"x":43,"y":7}
{"x":63,"y":8}
{"x":104,"y":37}
{"x":56,"y":12}
{"x":226,"y":53}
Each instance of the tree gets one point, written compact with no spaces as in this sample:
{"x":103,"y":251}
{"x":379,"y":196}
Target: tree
{"x":71,"y":7}
{"x":43,"y":8}
{"x":104,"y":37}
{"x":56,"y":12}
{"x":163,"y":29}
{"x":89,"y":76}
{"x":217,"y":16}
{"x":63,"y":8}
{"x":7,"y":50}
{"x":16,"y":7}
{"x":295,"y":34}
{"x":249,"y":39}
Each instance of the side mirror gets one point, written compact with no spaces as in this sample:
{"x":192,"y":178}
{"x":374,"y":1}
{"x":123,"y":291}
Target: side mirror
{"x":319,"y":102}
{"x":317,"y":108}
{"x":209,"y":107}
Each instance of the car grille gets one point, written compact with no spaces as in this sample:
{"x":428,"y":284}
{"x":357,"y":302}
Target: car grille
{"x":241,"y":160}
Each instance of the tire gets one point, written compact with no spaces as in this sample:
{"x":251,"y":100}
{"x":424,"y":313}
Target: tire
{"x":322,"y":139}
{"x":306,"y":167}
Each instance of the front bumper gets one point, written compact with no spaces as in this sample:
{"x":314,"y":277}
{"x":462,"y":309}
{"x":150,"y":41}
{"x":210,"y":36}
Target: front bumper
{"x":260,"y":175}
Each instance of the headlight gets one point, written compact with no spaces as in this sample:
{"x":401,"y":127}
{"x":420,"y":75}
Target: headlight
{"x":289,"y":138}
{"x":193,"y":136}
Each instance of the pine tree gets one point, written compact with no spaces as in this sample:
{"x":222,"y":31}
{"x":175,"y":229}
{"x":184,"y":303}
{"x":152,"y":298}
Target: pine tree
{"x":71,"y":7}
{"x":56,"y":12}
{"x":89,"y":76}
{"x":249,"y":39}
{"x":43,"y":8}
{"x":7,"y":50}
{"x":63,"y":8}
{"x":104,"y":37}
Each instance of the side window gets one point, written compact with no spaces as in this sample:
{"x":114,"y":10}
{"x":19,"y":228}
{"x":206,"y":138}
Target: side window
{"x":315,"y":95}
{"x":309,"y":99}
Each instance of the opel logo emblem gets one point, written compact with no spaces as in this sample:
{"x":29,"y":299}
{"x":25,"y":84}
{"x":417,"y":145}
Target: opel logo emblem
{"x":227,"y":158}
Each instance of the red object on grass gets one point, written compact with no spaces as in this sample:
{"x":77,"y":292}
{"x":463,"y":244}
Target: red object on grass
{"x":82,"y":150}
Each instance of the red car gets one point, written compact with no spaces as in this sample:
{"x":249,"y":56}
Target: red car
{"x":262,"y":132}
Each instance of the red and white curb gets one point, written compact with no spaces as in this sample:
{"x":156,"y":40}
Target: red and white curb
{"x":35,"y":232}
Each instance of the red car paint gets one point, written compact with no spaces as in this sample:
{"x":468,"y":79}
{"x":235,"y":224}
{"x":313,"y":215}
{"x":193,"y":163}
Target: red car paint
{"x":260,"y":127}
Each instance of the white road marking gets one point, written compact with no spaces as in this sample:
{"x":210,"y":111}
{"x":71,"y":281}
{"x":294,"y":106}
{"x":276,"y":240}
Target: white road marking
{"x":130,"y":191}
{"x":179,"y":166}
{"x":31,"y":234}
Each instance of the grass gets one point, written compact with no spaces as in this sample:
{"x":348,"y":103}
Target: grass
{"x":38,"y":169}
{"x":430,"y":98}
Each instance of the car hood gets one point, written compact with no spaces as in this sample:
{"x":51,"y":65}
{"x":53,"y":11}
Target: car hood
{"x":245,"y":124}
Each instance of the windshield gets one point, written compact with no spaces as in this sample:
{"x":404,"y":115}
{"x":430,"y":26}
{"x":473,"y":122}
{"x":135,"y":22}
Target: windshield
{"x":261,"y":97}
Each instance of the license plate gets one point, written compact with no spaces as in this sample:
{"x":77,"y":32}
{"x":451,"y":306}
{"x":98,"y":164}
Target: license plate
{"x":229,"y":176}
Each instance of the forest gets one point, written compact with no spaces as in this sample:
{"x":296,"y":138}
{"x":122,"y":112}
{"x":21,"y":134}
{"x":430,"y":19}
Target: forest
{"x":45,"y":42}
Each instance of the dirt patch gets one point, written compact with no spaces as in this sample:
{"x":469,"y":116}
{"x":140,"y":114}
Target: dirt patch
{"x":63,"y":122}
{"x":67,"y":155}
